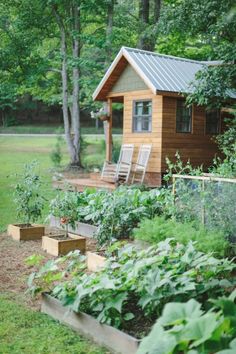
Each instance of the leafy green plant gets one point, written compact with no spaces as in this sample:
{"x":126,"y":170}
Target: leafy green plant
{"x":186,"y":328}
{"x":56,"y":154}
{"x":29,"y":203}
{"x":160,"y":228}
{"x":137,"y":283}
{"x":115,"y":214}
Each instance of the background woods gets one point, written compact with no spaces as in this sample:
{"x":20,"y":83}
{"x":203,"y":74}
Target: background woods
{"x":54,"y":52}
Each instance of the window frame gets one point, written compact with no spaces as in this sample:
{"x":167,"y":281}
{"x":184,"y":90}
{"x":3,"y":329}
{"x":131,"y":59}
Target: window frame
{"x":191,"y":118}
{"x":142,"y":116}
{"x":218,"y":122}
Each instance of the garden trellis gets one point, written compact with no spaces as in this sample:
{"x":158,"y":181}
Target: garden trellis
{"x":207,"y":199}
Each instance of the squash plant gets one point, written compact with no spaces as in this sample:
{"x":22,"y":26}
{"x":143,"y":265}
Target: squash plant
{"x":139,"y":283}
{"x":187,"y":328}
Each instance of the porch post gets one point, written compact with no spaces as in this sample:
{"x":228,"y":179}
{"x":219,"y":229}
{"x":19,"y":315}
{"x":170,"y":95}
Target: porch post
{"x":109,"y":132}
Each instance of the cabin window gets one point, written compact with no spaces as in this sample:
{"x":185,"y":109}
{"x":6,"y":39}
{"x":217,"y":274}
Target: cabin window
{"x":213,"y":121}
{"x":183,"y":117}
{"x":142,"y":116}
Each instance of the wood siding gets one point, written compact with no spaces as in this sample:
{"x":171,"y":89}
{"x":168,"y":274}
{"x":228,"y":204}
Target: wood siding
{"x":154,"y":137}
{"x":198,"y":147}
{"x":128,"y":81}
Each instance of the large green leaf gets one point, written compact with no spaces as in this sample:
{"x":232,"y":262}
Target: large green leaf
{"x":175,"y":312}
{"x":200,"y":329}
{"x":157,"y":342}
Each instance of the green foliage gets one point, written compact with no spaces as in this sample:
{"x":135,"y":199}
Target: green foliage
{"x":208,"y":25}
{"x":160,"y":228}
{"x":29,"y":203}
{"x":26,"y":331}
{"x":137,"y":282}
{"x":180,"y":168}
{"x":56,"y":154}
{"x":115,"y":214}
{"x":186,"y":328}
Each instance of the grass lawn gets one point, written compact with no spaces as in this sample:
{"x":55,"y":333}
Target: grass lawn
{"x":50,"y":129}
{"x":23,"y":331}
{"x":16,"y":151}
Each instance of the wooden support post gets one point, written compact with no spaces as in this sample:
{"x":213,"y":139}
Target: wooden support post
{"x":109,"y":132}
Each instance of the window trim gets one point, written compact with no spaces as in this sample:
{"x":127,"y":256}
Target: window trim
{"x":219,"y":123}
{"x":134,"y":115}
{"x":191,"y":117}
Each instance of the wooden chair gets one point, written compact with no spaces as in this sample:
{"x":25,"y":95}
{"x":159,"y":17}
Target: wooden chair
{"x":141,"y":165}
{"x":119,"y":172}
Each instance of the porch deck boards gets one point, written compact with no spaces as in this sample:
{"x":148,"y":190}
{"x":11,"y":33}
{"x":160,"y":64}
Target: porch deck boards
{"x":80,"y":184}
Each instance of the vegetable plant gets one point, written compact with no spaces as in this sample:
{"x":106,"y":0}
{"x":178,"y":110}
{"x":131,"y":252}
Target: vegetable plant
{"x":138,"y":283}
{"x":160,"y":228}
{"x":187,"y":328}
{"x":27,"y":198}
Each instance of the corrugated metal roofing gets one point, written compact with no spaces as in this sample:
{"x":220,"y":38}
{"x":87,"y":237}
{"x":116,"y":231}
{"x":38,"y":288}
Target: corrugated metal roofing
{"x":161,"y":72}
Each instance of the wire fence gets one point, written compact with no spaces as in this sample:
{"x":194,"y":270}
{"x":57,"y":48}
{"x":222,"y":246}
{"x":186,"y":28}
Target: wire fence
{"x":207,"y":199}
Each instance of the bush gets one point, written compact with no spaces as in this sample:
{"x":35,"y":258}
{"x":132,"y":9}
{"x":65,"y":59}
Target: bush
{"x":56,"y":154}
{"x":161,"y":228}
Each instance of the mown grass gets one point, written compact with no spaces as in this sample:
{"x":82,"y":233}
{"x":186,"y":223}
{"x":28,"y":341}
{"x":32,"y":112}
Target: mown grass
{"x":16,"y":151}
{"x":23,"y":331}
{"x":50,"y":129}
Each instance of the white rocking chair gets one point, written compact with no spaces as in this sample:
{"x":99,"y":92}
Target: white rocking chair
{"x":140,"y":166}
{"x":119,"y":172}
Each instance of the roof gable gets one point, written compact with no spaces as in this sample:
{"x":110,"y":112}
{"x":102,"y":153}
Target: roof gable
{"x":128,"y":81}
{"x":160,"y":73}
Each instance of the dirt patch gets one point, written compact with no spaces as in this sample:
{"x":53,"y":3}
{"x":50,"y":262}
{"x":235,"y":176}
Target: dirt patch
{"x":14,"y":272}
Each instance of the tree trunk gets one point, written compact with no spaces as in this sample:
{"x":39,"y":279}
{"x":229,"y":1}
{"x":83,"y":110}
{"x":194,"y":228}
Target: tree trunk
{"x":143,"y":23}
{"x":73,"y":144}
{"x":148,"y":27}
{"x":75,"y":94}
{"x":109,"y":30}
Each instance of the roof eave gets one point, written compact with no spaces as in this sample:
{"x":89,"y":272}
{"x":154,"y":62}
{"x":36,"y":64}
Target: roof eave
{"x":125,"y":53}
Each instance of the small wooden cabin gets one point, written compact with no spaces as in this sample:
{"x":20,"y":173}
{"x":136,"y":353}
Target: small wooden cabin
{"x":151,"y":88}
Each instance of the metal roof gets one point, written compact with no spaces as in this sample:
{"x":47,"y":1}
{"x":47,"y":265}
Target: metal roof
{"x":160,"y":72}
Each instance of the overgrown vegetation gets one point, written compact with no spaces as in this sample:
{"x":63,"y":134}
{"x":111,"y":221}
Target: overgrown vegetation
{"x":134,"y":285}
{"x":160,"y":228}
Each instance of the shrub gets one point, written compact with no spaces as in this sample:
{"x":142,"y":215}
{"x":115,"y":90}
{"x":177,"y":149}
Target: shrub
{"x":56,"y":154}
{"x":161,"y":228}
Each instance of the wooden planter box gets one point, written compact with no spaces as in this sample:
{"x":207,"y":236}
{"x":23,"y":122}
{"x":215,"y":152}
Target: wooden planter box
{"x":81,"y":228}
{"x":21,"y":233}
{"x":54,"y":246}
{"x":95,"y":262}
{"x":110,"y":337}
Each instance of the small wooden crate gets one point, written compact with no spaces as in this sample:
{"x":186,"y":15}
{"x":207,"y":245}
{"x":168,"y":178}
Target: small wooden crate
{"x":21,"y":233}
{"x":95,"y":262}
{"x":59,"y":247}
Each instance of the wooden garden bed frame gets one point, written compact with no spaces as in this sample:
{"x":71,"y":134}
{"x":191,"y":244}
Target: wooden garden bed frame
{"x":110,"y":337}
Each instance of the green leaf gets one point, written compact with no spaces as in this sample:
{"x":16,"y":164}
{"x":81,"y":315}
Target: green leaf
{"x":128,"y":316}
{"x":157,"y":342}
{"x":175,"y":312}
{"x":199,"y":330}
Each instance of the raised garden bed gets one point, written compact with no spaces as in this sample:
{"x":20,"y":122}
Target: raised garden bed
{"x":81,"y":228}
{"x":110,"y":337}
{"x":60,"y":245}
{"x":23,"y":232}
{"x":95,"y":261}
